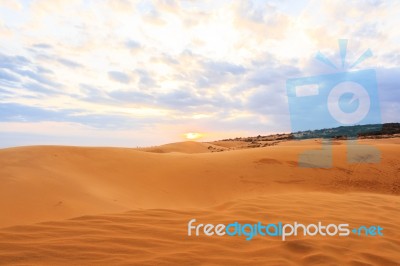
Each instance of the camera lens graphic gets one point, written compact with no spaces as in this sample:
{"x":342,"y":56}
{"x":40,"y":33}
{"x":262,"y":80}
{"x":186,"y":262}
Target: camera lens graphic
{"x":359,"y":93}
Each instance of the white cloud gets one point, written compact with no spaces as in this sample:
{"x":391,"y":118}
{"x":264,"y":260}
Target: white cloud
{"x":11,"y":4}
{"x":194,"y":60}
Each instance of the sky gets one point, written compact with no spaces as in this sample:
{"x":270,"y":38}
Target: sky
{"x":139,"y":73}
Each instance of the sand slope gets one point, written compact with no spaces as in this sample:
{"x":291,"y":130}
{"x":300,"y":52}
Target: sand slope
{"x":159,"y":236}
{"x":162,"y":191}
{"x":186,"y":147}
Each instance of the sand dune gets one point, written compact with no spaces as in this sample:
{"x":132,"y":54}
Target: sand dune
{"x":185,"y":147}
{"x":159,"y":236}
{"x":151,"y":196}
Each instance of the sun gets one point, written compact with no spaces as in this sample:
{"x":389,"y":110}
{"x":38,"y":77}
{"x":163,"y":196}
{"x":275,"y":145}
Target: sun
{"x":193,"y":135}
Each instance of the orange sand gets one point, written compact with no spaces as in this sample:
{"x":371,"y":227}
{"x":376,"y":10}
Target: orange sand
{"x":133,"y":205}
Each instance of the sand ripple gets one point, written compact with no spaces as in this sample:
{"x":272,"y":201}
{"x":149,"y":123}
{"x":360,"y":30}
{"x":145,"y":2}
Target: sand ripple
{"x":159,"y":236}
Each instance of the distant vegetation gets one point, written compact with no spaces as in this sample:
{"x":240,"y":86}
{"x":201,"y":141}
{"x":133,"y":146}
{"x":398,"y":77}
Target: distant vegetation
{"x":343,"y":132}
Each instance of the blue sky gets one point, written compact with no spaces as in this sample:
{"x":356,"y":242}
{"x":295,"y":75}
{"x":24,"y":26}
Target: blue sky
{"x":138,"y":73}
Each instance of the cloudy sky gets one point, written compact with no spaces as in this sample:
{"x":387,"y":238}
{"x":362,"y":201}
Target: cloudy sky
{"x":137,"y":73}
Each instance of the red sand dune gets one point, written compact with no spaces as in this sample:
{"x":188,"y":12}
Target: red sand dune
{"x":133,"y":206}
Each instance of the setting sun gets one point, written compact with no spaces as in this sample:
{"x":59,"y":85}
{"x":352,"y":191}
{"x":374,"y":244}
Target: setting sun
{"x":193,"y":135}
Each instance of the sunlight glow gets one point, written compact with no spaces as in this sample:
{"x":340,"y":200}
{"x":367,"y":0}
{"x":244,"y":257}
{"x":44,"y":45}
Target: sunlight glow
{"x":193,"y":135}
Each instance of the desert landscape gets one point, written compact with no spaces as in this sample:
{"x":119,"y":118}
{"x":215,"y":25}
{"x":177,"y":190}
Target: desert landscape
{"x":164,"y":132}
{"x":63,"y":205}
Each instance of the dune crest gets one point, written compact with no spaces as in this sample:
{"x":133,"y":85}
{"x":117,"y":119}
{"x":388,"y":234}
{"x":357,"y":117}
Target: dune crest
{"x":185,"y":147}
